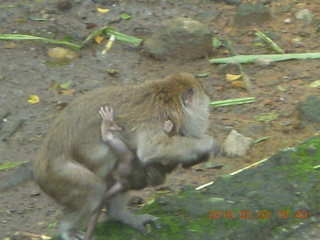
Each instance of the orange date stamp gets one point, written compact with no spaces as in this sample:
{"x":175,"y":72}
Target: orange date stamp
{"x":256,"y":215}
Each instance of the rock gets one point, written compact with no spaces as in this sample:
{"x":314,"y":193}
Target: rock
{"x":249,"y":14}
{"x":236,"y":145}
{"x":235,"y":2}
{"x":180,"y":38}
{"x":64,"y":5}
{"x":309,"y":109}
{"x":231,"y":68}
{"x":305,"y":15}
{"x":209,"y":15}
{"x":106,"y":2}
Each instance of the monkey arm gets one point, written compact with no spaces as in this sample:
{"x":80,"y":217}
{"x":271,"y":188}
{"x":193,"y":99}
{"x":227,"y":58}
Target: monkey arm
{"x":176,"y":149}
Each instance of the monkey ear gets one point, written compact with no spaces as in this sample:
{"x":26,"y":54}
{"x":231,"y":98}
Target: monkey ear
{"x":187,"y":97}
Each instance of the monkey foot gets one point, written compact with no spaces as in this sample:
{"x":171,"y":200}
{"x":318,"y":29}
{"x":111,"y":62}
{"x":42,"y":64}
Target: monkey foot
{"x":72,"y":235}
{"x":141,"y":221}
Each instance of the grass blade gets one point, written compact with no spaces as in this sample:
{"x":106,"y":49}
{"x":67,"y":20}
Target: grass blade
{"x":274,"y":57}
{"x":8,"y":165}
{"x":30,"y":37}
{"x":231,"y":102}
{"x":271,"y":43}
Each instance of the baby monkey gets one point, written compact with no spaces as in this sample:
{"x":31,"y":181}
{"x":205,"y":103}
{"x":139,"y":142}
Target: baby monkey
{"x":130,"y":173}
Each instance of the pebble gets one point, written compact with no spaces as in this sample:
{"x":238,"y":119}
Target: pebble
{"x":288,"y":20}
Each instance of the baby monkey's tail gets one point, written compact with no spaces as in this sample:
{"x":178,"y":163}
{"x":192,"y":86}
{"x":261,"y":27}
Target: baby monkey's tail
{"x":19,"y":176}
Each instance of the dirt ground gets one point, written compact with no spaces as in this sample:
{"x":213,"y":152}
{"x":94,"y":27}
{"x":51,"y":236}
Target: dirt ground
{"x":26,"y":69}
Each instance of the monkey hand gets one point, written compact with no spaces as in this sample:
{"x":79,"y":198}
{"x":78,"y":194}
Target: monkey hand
{"x":107,"y":119}
{"x":215,"y":149}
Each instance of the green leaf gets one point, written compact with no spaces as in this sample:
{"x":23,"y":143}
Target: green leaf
{"x":125,"y":16}
{"x":314,"y":84}
{"x":66,"y":85}
{"x":216,"y":43}
{"x":267,"y":117}
{"x":280,"y":88}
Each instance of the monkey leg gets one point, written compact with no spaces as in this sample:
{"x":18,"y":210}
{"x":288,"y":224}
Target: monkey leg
{"x":117,"y":210}
{"x":77,"y":189}
{"x":115,"y":189}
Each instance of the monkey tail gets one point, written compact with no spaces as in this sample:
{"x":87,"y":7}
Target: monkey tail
{"x":19,"y":176}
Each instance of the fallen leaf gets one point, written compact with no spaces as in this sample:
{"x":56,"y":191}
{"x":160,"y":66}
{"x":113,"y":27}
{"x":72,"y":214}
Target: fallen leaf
{"x":61,"y":53}
{"x":112,"y":71}
{"x":102,"y":10}
{"x":239,"y":84}
{"x":98,"y":39}
{"x":125,"y":16}
{"x":232,"y":77}
{"x":55,"y":86}
{"x":66,"y":85}
{"x":67,"y":92}
{"x":267,"y":117}
{"x":90,"y":25}
{"x":216,"y":43}
{"x":33,"y":99}
{"x":280,"y":88}
{"x":314,"y":84}
{"x":10,"y":46}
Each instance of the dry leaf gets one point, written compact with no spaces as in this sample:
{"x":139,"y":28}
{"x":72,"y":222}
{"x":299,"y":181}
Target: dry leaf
{"x":232,"y":77}
{"x":102,"y":10}
{"x":10,"y":46}
{"x":33,"y":99}
{"x":67,"y":92}
{"x":239,"y":84}
{"x":61,"y":53}
{"x":98,"y":39}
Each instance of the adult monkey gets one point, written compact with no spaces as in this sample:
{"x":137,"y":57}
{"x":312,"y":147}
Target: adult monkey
{"x":75,"y":167}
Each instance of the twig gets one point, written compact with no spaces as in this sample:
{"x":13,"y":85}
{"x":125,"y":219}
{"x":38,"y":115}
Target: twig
{"x":14,"y":129}
{"x":233,"y":173}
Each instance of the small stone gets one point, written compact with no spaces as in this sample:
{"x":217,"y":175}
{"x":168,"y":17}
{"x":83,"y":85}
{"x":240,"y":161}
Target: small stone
{"x":309,"y":109}
{"x":305,"y":15}
{"x":267,"y":102}
{"x":180,"y":38}
{"x":249,"y":14}
{"x":64,"y":5}
{"x":236,"y":145}
{"x":288,"y":20}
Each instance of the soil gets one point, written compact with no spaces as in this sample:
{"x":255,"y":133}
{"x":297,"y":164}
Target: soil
{"x":26,"y":69}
